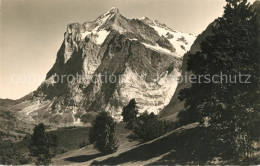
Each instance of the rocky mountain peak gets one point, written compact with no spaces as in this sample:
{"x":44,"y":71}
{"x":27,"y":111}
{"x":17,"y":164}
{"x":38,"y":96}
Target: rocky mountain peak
{"x":146,"y":20}
{"x":113,"y":10}
{"x":144,"y":55}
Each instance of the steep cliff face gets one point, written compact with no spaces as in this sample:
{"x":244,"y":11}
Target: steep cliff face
{"x":118,"y":59}
{"x":175,"y":105}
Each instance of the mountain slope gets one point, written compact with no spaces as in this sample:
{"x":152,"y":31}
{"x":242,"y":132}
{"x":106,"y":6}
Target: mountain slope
{"x":132,"y":153}
{"x":11,"y":127}
{"x":175,"y":105}
{"x":118,"y":59}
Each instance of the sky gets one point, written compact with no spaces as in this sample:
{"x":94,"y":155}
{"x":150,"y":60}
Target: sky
{"x":31,"y":31}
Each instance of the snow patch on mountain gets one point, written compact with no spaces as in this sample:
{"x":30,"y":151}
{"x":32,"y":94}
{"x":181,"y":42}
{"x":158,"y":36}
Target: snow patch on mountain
{"x":181,"y":41}
{"x":157,"y":48}
{"x":102,"y":35}
{"x":97,"y":36}
{"x":101,"y":21}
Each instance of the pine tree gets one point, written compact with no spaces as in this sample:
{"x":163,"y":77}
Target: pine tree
{"x":40,"y":145}
{"x":229,"y":105}
{"x":129,"y":114}
{"x":102,"y":133}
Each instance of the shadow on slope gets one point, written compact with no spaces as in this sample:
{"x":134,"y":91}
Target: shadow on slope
{"x":83,"y":158}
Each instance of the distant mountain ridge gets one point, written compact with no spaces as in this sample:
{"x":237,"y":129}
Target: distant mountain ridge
{"x":9,"y":102}
{"x":6,"y":102}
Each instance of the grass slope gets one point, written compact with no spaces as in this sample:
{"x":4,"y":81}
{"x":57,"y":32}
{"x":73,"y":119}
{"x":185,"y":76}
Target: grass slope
{"x":129,"y":153}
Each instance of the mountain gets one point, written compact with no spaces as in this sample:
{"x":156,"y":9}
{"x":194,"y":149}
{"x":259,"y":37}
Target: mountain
{"x":11,"y":127}
{"x":9,"y":102}
{"x":6,"y":102}
{"x":175,"y":105}
{"x":118,"y":59}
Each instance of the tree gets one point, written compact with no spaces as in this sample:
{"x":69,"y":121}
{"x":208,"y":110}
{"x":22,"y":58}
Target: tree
{"x":228,"y":105}
{"x":129,"y":114}
{"x":149,"y":126}
{"x":40,"y":144}
{"x":102,"y":133}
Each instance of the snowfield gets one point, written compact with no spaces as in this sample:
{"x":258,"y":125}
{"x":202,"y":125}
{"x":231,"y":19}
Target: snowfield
{"x":181,"y":41}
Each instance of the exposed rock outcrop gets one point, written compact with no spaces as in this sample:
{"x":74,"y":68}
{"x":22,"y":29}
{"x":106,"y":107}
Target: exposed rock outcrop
{"x":118,"y":59}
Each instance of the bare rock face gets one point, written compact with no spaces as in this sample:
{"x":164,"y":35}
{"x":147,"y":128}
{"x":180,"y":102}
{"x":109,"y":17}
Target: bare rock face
{"x":165,"y":43}
{"x":103,"y":64}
